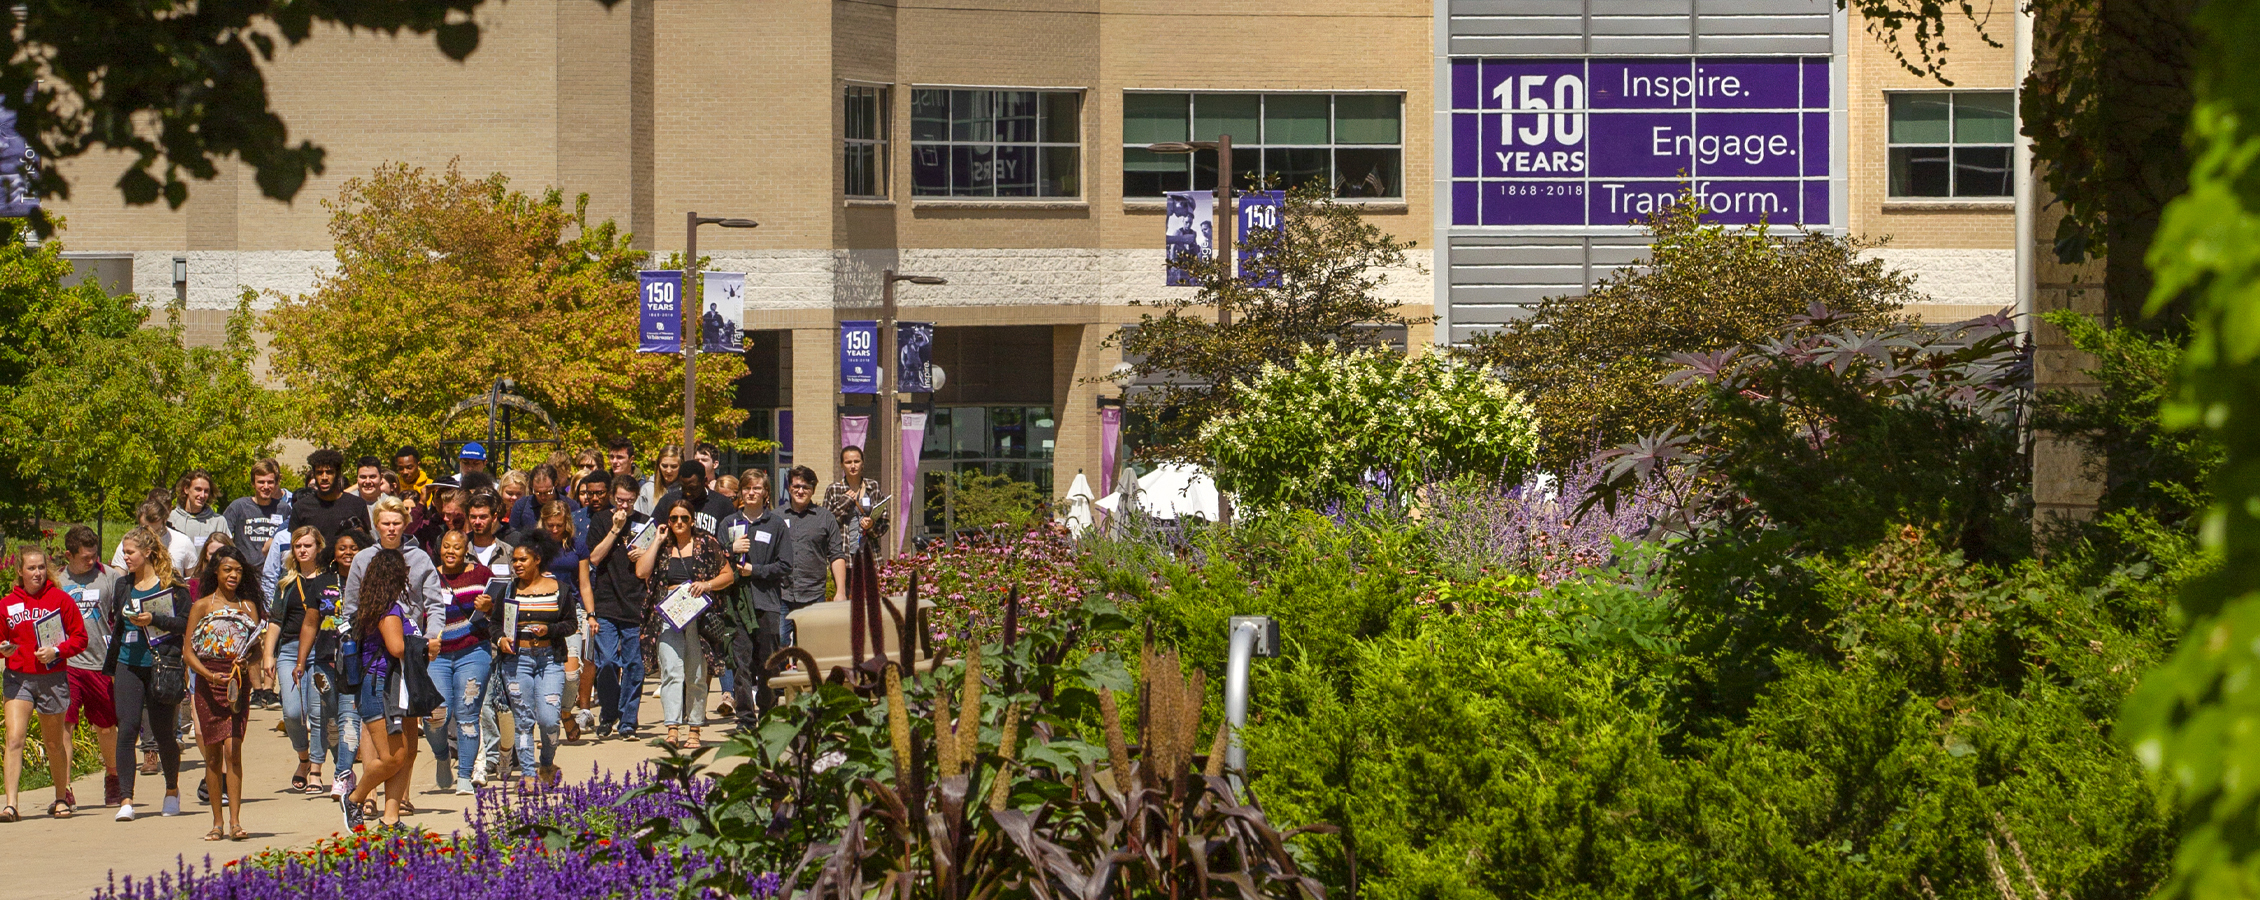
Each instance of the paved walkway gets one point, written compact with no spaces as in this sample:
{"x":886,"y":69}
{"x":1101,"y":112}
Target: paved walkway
{"x":76,"y":856}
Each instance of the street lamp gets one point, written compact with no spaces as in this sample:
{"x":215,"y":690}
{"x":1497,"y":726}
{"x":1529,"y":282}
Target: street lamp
{"x":691,"y":334}
{"x":1226,"y":220}
{"x":889,"y":411}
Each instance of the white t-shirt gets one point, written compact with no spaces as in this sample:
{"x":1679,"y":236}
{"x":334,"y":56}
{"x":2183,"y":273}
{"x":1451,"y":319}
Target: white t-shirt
{"x":182,"y":546}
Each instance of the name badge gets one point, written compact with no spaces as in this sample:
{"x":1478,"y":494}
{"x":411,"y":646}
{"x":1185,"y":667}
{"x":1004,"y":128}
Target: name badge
{"x":761,"y":536}
{"x":15,"y":609}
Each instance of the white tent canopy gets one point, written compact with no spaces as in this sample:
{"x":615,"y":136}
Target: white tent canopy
{"x":1172,"y":492}
{"x":1079,"y":499}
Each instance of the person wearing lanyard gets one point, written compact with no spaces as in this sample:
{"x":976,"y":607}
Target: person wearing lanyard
{"x":544,"y":617}
{"x":684,"y":555}
{"x":307,"y":595}
{"x":94,"y":587}
{"x":851,"y":500}
{"x":151,"y":618}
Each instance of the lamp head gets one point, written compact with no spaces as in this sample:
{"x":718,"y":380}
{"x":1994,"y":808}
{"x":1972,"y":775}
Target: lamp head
{"x":1171,"y":147}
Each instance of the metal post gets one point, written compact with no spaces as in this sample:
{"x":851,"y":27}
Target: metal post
{"x":890,"y":474}
{"x":1251,"y":636}
{"x":1227,"y":222}
{"x":690,"y":337}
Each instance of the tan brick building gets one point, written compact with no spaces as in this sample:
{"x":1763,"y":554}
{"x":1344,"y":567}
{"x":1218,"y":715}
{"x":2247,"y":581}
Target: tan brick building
{"x":982,"y":144}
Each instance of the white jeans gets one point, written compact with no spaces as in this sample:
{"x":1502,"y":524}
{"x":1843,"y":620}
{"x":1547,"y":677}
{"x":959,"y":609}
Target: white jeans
{"x":682,"y":677}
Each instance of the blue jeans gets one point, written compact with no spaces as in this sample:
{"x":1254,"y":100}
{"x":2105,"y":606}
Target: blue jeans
{"x":294,"y":702}
{"x":618,"y":656}
{"x":461,"y":676}
{"x":497,"y":701}
{"x":324,"y":713}
{"x":537,"y":698}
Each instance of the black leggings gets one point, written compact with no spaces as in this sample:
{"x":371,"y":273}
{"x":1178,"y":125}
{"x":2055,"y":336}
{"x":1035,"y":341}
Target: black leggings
{"x":130,"y":690}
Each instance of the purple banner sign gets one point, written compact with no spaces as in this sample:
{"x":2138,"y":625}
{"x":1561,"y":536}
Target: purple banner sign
{"x":659,"y":323}
{"x":859,"y":357}
{"x":1603,"y":141}
{"x":1260,"y":211}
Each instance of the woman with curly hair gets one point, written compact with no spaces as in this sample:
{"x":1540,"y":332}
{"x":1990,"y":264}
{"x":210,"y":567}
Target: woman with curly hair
{"x":382,"y":628}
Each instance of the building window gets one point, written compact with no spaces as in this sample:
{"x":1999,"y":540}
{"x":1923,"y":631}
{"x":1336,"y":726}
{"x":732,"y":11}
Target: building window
{"x":1013,"y":441}
{"x":863,"y":148}
{"x":1351,"y":143}
{"x":1952,"y":144}
{"x":995,"y":143}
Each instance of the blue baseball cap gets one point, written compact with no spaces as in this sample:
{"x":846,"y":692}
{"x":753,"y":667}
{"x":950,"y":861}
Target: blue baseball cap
{"x":472,"y":450}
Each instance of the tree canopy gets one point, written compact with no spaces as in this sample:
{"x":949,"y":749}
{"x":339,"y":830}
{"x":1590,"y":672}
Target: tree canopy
{"x":1331,"y":264}
{"x":446,"y":283}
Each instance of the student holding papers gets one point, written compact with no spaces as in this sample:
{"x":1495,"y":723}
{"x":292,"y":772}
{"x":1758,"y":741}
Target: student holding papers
{"x":684,"y":567}
{"x":44,"y":630}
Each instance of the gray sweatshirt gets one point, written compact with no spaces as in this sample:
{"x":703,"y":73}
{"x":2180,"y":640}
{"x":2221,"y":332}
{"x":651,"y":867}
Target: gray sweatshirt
{"x":423,"y":585}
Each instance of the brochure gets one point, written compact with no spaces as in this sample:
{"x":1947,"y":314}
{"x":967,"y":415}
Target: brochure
{"x":682,"y":605}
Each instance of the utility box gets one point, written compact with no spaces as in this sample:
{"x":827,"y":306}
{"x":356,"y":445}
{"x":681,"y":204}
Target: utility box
{"x":1267,"y":634}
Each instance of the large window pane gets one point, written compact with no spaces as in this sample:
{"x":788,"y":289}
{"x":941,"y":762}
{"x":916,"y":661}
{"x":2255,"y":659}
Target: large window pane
{"x":1233,"y":114}
{"x":1367,"y":119}
{"x":1296,"y":166}
{"x":1921,"y":172}
{"x":1368,"y":172}
{"x":1016,"y":117}
{"x":1153,"y":118}
{"x":1982,"y":172}
{"x":1016,"y":170}
{"x":862,"y":118}
{"x":930,"y":169}
{"x":861,"y":180}
{"x":970,"y":432}
{"x":1063,"y":117}
{"x":971,"y":170}
{"x":1295,"y":119}
{"x":1920,"y":118}
{"x":1247,"y":168}
{"x":1149,"y":174}
{"x":937,"y":444}
{"x":1986,"y":118}
{"x":972,"y":116}
{"x":1062,"y":174}
{"x":929,"y":115}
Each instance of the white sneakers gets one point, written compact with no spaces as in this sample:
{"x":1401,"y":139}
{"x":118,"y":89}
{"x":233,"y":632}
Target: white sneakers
{"x":125,"y":812}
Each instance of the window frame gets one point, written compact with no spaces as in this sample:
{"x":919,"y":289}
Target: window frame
{"x":883,"y":114}
{"x":1037,"y":147}
{"x":1259,"y":147}
{"x":1952,"y":143}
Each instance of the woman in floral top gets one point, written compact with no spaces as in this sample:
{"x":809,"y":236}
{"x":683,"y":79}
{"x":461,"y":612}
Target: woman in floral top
{"x":683,"y":555}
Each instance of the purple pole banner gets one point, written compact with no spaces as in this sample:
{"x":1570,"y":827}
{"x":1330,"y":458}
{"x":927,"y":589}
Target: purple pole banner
{"x":911,"y":443}
{"x":19,"y":169}
{"x":1188,"y":230}
{"x":1260,"y":211}
{"x":859,"y":357}
{"x":854,"y":431}
{"x":1110,"y":446}
{"x":660,"y":322}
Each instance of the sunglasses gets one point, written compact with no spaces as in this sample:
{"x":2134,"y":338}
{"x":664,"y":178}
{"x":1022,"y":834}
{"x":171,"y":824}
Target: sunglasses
{"x":678,"y":518}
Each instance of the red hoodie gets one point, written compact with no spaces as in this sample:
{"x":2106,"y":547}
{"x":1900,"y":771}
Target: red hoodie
{"x":24,"y":613}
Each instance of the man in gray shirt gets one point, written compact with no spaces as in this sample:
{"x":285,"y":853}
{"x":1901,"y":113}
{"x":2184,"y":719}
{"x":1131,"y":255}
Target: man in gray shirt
{"x":195,"y":516}
{"x":815,"y":547}
{"x":94,"y":588}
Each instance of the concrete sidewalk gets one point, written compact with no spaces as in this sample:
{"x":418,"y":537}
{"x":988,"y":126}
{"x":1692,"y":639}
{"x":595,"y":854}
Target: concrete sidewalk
{"x":76,"y":856}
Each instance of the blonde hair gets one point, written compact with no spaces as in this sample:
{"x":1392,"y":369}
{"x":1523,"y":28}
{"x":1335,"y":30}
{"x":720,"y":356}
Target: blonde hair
{"x":514,"y":477}
{"x":555,"y":509}
{"x":160,"y":556}
{"x":290,"y":558}
{"x":24,"y":554}
{"x":388,"y":504}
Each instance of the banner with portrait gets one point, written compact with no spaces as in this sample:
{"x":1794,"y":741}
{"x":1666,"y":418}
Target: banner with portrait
{"x":720,"y":326}
{"x":1188,"y":231}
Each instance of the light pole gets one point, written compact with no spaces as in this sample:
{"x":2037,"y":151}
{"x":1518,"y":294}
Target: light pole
{"x":1227,"y":220}
{"x":889,"y":464}
{"x":691,"y":335}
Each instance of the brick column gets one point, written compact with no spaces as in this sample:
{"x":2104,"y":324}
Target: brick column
{"x":815,"y":400}
{"x":1077,"y":355}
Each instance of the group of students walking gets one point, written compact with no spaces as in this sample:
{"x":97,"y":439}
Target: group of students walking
{"x":401,"y":609}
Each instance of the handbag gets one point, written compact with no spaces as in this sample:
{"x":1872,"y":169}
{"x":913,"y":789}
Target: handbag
{"x":713,"y":628}
{"x":168,"y":681}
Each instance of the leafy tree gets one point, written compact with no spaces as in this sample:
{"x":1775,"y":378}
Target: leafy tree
{"x":2141,"y":464}
{"x":446,"y":283}
{"x":1331,"y":266}
{"x":1592,"y":364}
{"x":95,"y":409}
{"x":1332,"y":422}
{"x":183,"y":82}
{"x":978,"y":501}
{"x":2195,"y":721}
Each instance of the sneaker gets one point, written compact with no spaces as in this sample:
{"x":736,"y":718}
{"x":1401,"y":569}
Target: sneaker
{"x":725,"y":710}
{"x":148,"y":762}
{"x":463,"y":788}
{"x":125,"y":812}
{"x":112,"y":792}
{"x":172,"y":806}
{"x":342,"y":786}
{"x":351,"y":811}
{"x":479,"y":774}
{"x":444,"y":775}
{"x":204,"y":792}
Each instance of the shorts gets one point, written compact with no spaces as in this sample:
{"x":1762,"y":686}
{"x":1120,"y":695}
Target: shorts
{"x":50,"y":694}
{"x":91,"y":696}
{"x":371,"y":702}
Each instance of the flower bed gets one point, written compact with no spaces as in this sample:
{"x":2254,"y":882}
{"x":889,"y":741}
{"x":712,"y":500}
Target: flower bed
{"x":491,"y":861}
{"x":968,"y":582}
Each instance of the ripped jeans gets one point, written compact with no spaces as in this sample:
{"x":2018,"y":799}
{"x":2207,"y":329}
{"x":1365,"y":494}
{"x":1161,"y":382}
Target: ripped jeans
{"x":537,"y":699}
{"x":462,"y":676}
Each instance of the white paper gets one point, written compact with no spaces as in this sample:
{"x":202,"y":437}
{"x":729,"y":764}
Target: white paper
{"x":761,"y":536}
{"x":682,"y":605}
